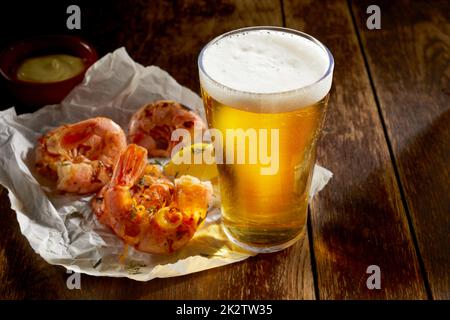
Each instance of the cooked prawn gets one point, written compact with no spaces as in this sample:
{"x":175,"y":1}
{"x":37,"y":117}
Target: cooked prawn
{"x":81,"y":156}
{"x":146,"y":209}
{"x":152,"y":125}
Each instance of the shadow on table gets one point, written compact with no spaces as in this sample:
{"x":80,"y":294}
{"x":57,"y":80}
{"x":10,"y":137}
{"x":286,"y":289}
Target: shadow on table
{"x":363,"y":224}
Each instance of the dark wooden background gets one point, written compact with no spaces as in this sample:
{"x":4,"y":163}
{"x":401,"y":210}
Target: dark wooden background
{"x":386,"y":139}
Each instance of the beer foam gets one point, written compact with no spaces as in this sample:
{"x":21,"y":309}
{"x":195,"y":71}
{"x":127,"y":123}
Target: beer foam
{"x":266,"y":70}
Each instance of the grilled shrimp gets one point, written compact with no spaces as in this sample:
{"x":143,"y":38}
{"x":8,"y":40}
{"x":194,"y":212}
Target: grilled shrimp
{"x":152,"y":125}
{"x":81,"y":156}
{"x":146,"y":209}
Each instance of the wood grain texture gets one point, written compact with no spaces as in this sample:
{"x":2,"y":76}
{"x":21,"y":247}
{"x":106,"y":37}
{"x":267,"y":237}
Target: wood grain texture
{"x":409,"y":60}
{"x":358,"y":219}
{"x":169,"y":34}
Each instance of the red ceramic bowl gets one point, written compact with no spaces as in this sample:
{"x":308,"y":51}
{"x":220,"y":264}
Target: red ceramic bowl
{"x":39,"y":94}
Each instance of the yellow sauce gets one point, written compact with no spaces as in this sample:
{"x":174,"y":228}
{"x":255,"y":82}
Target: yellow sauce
{"x":51,"y":68}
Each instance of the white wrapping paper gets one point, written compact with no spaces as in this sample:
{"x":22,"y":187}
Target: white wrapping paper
{"x":62,"y":228}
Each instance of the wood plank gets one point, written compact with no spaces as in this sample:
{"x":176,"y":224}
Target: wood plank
{"x":358,"y":220}
{"x":168,"y":34}
{"x":409,"y":63}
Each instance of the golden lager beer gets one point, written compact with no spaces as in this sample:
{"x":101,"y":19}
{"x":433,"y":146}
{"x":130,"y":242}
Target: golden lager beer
{"x":265,"y":89}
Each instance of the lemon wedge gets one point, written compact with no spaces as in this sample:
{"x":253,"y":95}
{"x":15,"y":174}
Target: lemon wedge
{"x":176,"y":167}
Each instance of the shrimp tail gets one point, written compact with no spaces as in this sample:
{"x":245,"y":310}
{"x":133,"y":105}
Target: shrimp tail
{"x":130,"y":166}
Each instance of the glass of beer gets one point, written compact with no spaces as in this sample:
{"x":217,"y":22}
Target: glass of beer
{"x":265,"y":92}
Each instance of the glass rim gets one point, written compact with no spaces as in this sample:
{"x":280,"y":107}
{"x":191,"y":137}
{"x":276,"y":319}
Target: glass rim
{"x":270,"y":28}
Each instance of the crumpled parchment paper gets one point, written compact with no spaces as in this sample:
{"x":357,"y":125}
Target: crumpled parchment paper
{"x":61,"y":227}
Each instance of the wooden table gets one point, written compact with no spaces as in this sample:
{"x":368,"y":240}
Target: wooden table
{"x":386,"y":139}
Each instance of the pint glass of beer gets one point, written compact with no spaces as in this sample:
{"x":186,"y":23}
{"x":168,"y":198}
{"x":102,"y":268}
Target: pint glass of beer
{"x":265,"y":92}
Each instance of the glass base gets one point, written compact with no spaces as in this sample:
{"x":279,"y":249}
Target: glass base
{"x":263,"y":249}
